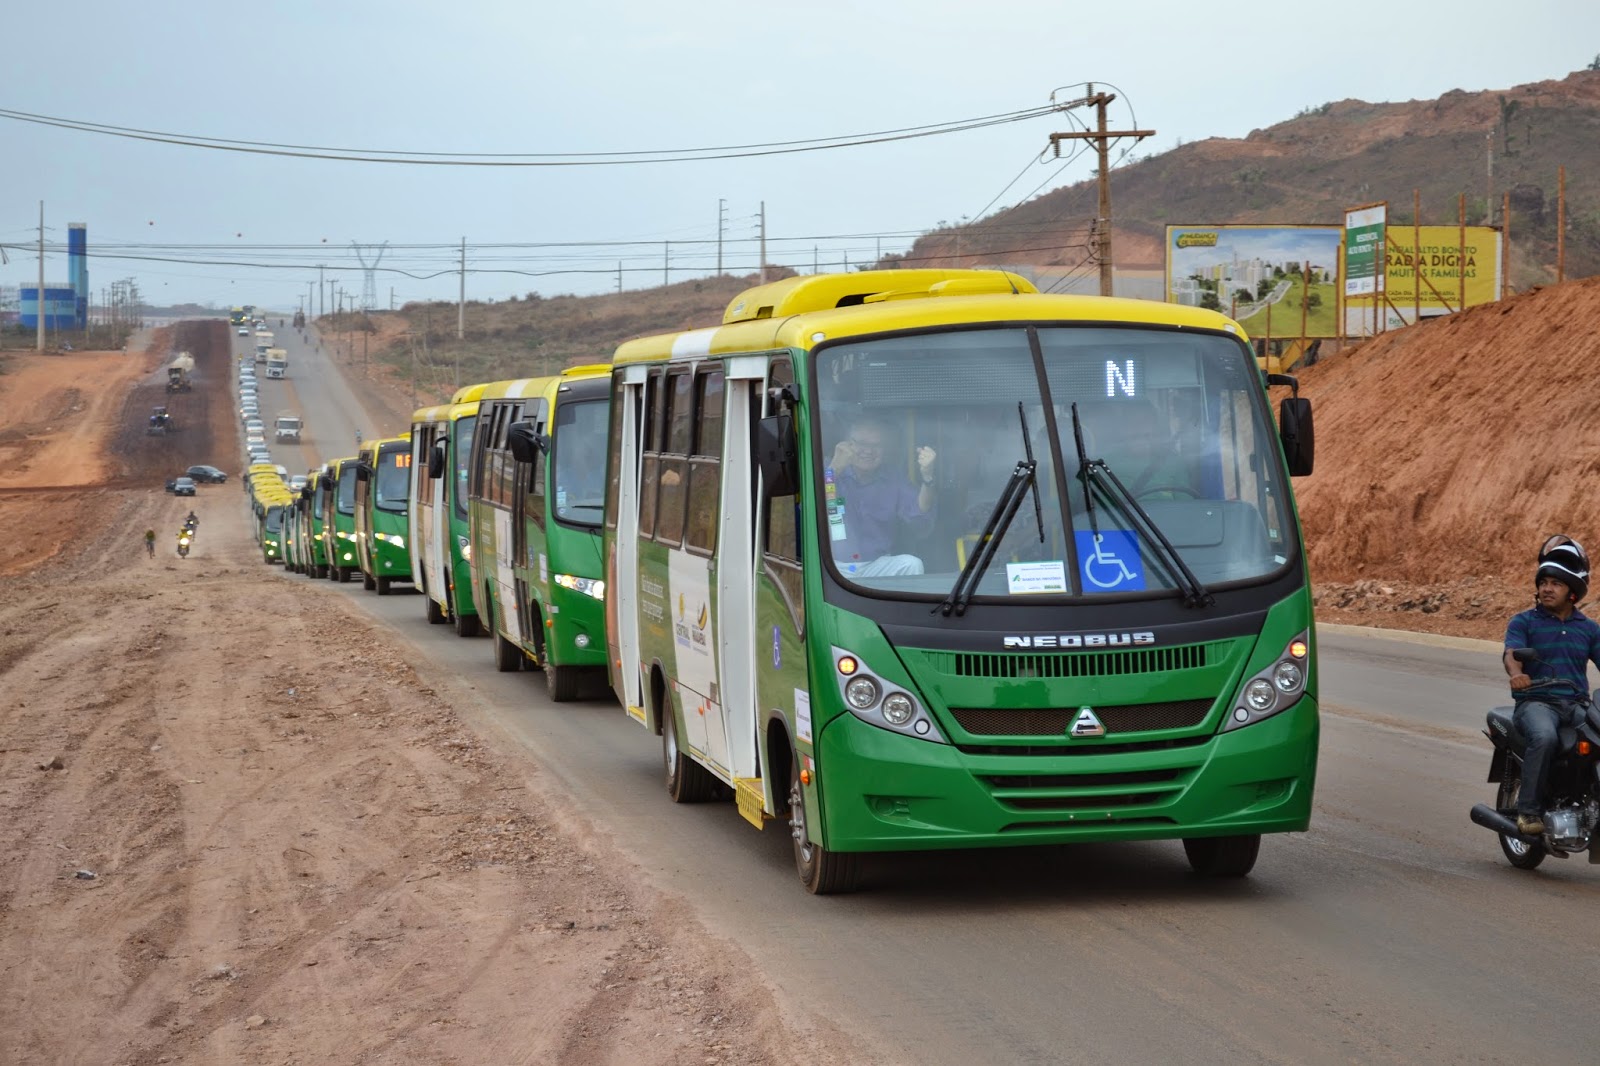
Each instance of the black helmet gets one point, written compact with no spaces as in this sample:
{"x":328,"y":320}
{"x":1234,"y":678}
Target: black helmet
{"x":1564,"y":559}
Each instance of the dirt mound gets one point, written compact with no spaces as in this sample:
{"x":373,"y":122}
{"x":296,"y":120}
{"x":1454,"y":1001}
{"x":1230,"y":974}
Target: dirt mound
{"x":1447,"y":451}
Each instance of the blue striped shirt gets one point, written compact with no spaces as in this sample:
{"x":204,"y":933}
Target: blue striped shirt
{"x":1566,"y":649}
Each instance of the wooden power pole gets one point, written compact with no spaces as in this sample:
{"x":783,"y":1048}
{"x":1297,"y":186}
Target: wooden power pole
{"x":1102,"y":138}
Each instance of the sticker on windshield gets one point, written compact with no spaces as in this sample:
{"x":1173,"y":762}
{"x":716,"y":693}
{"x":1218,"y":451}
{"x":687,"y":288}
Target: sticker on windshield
{"x":1025,"y":578}
{"x":1109,"y":561}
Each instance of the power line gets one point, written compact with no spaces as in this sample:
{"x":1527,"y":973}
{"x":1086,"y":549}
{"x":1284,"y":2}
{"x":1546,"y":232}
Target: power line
{"x":530,"y":159}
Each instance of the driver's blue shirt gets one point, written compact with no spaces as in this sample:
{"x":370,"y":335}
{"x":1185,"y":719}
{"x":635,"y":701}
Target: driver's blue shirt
{"x":1565,"y":648}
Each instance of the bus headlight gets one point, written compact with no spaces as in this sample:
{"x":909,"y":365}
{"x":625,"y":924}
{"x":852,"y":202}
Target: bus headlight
{"x":879,"y":702}
{"x":391,"y":538}
{"x":589,"y":586}
{"x":1274,"y":689}
{"x":466,"y":548}
{"x":861,"y":692}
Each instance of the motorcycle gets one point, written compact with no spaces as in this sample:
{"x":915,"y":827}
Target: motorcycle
{"x":1572,"y":783}
{"x":185,"y":538}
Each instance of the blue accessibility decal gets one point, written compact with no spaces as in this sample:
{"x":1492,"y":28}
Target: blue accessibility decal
{"x":1109,"y":561}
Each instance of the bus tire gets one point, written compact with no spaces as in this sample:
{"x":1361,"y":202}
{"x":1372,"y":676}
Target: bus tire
{"x":687,"y":780}
{"x":344,"y":575}
{"x":436,"y":615}
{"x":383,"y":585}
{"x":467,"y":625}
{"x":564,"y":683}
{"x":1223,"y":856}
{"x":367,"y":581}
{"x":821,"y":871}
{"x":507,"y":656}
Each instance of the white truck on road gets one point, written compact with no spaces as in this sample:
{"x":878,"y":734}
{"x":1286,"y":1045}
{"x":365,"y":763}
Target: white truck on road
{"x":263,"y":342}
{"x":277,"y":363}
{"x":287,"y":427}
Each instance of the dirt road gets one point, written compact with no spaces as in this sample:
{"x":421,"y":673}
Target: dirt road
{"x":240,"y":828}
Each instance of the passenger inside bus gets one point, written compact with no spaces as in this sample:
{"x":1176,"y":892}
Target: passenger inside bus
{"x":878,"y":518}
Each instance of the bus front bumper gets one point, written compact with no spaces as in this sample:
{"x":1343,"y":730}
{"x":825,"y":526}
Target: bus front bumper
{"x":882,"y":791}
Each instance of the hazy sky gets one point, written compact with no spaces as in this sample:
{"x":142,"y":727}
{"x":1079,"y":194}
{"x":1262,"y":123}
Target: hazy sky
{"x":497,"y":76}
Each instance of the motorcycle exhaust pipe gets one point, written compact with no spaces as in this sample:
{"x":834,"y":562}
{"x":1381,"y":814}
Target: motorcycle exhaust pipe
{"x":1490,"y":818}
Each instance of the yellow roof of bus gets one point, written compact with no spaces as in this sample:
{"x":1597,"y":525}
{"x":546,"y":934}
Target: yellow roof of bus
{"x":801,"y":312}
{"x":546,"y":386}
{"x":443,"y":413}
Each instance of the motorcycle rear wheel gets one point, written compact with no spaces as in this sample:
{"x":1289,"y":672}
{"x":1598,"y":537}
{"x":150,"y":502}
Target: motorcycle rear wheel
{"x":1522,"y":856}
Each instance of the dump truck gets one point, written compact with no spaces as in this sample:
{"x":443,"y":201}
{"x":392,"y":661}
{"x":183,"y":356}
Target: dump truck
{"x":178,"y":372}
{"x":287,"y":427}
{"x":277,"y":363}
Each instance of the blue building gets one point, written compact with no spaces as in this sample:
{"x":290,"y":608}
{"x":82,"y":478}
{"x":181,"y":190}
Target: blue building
{"x":66,"y":306}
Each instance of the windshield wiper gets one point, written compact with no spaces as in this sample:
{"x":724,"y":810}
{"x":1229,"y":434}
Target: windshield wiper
{"x":994,"y":530}
{"x":1096,"y":472}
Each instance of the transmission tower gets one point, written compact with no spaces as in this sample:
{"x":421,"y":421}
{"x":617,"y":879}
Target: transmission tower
{"x":369,"y":288}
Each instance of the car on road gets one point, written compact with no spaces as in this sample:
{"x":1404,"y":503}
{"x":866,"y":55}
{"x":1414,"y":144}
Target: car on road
{"x":259,"y":457}
{"x":244,"y":331}
{"x":207,"y":474}
{"x":182,"y":486}
{"x":298,"y":482}
{"x":255,"y":425}
{"x":254,"y":440}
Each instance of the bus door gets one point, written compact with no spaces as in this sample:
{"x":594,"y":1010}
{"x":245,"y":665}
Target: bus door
{"x":781,"y":678}
{"x":527,"y":530}
{"x":622,"y":515}
{"x":735,"y":547}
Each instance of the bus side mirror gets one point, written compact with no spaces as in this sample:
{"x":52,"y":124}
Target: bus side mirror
{"x":436,"y":461}
{"x":526,"y":445}
{"x":776,"y":455}
{"x":1294,"y":430}
{"x":363,"y":471}
{"x":1294,"y":427}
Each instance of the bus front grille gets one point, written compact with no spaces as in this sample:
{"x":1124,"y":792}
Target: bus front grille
{"x":1087,"y":792}
{"x":1055,"y":721}
{"x":1114,"y":663}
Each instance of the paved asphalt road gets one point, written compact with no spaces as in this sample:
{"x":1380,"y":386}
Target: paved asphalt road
{"x":1392,"y":932}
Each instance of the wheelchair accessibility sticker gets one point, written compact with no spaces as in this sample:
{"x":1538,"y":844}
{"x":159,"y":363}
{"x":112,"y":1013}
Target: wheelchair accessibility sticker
{"x":1109,"y":562}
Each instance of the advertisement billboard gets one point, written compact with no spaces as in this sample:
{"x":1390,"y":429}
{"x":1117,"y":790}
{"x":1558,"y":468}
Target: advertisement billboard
{"x":1276,"y":281}
{"x":1456,"y":268}
{"x":1363,"y":249}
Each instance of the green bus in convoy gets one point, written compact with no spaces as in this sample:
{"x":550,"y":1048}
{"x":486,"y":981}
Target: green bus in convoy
{"x":313,"y":518}
{"x":383,"y":504}
{"x":535,"y":496}
{"x":925,"y":559}
{"x":339,"y":498}
{"x":441,"y":540}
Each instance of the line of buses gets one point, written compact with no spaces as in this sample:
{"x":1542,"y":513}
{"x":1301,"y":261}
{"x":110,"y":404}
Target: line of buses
{"x":901,"y":559}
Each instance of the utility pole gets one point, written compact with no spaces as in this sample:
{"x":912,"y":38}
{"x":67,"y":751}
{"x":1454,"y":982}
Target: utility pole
{"x":1102,"y":138}
{"x":763,"y":242}
{"x":666,"y":263}
{"x":461,"y":307}
{"x":322,"y":306}
{"x":39,"y":303}
{"x":722,"y":217}
{"x":619,"y":275}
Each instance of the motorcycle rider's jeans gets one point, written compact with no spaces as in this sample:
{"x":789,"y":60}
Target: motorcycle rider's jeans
{"x":1538,"y":723}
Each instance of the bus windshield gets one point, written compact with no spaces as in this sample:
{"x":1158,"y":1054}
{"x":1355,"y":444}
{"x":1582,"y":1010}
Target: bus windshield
{"x":463,"y":462}
{"x":580,"y":462}
{"x":274,"y":519}
{"x":393,"y":479}
{"x":347,"y":489}
{"x":919,"y":435}
{"x":317,"y":509}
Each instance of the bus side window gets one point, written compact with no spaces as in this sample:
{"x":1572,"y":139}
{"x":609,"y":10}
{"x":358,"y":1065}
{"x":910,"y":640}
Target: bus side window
{"x":679,"y":414}
{"x":781,"y":548}
{"x":705,"y":467}
{"x":614,"y":452}
{"x":650,"y":474}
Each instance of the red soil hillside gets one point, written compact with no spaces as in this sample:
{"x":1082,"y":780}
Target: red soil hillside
{"x":1445,"y":453}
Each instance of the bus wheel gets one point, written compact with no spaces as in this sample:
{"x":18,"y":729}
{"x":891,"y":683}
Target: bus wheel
{"x":564,"y":683}
{"x":383,"y":586}
{"x":367,"y":582}
{"x":507,"y":656}
{"x":436,"y":615}
{"x":687,"y":780}
{"x":467,"y":625}
{"x":1223,"y":856}
{"x":823,"y":872}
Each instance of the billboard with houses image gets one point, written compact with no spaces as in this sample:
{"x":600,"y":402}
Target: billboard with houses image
{"x":1275,"y":281}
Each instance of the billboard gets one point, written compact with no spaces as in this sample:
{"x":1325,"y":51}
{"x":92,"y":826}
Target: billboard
{"x":1456,"y":268}
{"x":1363,"y":250}
{"x":1276,"y":281}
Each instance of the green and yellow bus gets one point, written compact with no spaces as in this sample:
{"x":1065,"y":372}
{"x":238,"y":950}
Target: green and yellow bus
{"x":383,"y":506}
{"x":535,"y":508}
{"x":925,"y":559}
{"x":339,"y":528}
{"x":441,"y":539}
{"x":313,"y":518}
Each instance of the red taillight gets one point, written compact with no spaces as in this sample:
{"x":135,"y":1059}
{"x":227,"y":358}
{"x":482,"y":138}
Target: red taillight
{"x":1584,"y":747}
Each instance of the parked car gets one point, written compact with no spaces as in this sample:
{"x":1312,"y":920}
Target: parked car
{"x":181,"y":486}
{"x":207,"y":474}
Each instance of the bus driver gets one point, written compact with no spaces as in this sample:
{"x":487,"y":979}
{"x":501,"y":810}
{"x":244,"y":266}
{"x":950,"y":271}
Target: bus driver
{"x":871,"y":510}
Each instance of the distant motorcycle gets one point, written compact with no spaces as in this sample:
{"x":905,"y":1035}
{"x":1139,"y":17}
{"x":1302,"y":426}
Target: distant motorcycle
{"x":1572,"y":783}
{"x":185,"y":538}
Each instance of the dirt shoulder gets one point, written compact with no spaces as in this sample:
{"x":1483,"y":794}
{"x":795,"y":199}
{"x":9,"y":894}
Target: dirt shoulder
{"x":241,"y":827}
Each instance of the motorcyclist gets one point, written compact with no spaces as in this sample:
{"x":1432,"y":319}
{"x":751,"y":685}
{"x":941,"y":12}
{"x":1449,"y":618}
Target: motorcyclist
{"x":192,"y":521}
{"x":1566,"y":641}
